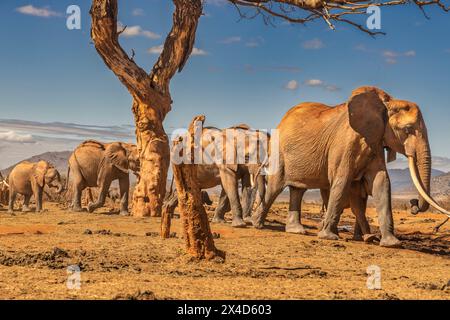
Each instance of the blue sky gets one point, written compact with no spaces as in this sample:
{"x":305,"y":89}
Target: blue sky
{"x":244,"y":70}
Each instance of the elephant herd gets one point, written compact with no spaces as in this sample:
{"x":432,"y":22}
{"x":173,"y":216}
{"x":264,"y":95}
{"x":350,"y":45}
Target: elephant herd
{"x":342,"y":150}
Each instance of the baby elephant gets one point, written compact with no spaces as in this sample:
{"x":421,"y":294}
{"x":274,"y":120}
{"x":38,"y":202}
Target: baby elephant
{"x":28,"y":178}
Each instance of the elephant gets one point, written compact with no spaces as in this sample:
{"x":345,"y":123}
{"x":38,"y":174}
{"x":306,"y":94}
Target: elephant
{"x":29,"y":178}
{"x":215,"y":171}
{"x":97,"y":164}
{"x":323,"y":147}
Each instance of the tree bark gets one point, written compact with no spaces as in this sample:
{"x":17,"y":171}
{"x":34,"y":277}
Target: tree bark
{"x":196,"y":229}
{"x":150,"y":92}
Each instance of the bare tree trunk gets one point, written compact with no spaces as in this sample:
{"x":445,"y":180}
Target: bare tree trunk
{"x":151,"y":97}
{"x":196,"y":230}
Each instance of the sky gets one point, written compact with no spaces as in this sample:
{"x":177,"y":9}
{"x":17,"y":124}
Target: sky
{"x":55,"y":90}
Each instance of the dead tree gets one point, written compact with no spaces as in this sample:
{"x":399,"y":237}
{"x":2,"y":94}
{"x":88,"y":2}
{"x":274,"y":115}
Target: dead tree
{"x":196,"y":230}
{"x":150,"y":92}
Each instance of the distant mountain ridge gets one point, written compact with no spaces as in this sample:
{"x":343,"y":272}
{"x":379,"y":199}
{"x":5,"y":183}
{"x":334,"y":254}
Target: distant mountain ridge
{"x":58,"y":159}
{"x":400,"y":178}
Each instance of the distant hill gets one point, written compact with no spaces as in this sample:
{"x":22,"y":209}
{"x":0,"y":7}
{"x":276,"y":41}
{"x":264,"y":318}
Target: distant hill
{"x":401,"y":179}
{"x":58,"y":159}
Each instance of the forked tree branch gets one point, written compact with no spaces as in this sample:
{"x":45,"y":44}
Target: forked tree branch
{"x":106,"y":40}
{"x":150,"y":88}
{"x":179,"y":43}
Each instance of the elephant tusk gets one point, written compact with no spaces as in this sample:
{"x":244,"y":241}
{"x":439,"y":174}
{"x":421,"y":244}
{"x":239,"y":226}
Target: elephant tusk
{"x":5,"y":183}
{"x":418,"y":185}
{"x":252,"y":180}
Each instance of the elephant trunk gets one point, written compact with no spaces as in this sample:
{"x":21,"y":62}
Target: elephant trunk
{"x":423,"y":156}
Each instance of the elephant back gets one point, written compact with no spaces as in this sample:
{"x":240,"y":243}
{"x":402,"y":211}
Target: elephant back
{"x":93,"y":144}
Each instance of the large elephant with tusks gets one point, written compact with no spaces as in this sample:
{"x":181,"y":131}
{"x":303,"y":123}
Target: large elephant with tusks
{"x":97,"y":164}
{"x":330,"y":148}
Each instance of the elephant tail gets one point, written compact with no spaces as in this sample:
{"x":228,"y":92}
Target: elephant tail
{"x":258,"y":172}
{"x":67,"y":177}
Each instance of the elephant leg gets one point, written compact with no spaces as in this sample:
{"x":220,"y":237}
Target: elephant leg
{"x":275,"y":185}
{"x":104,"y":187}
{"x":171,"y":203}
{"x":38,"y":198}
{"x":293,"y":220}
{"x":124,"y":185}
{"x":381,"y":190}
{"x":12,"y":199}
{"x":78,"y":187}
{"x":223,"y":206}
{"x":230,"y":185}
{"x":336,"y":203}
{"x":358,"y":204}
{"x":247,"y":201}
{"x":26,"y":203}
{"x":325,"y":195}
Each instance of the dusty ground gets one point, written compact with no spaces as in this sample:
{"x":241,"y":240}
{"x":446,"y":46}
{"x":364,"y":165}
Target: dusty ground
{"x":123,"y":257}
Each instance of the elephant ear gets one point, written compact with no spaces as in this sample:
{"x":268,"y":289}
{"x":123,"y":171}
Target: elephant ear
{"x":391,"y":155}
{"x":40,"y":169}
{"x":116,"y":155}
{"x":367,"y":116}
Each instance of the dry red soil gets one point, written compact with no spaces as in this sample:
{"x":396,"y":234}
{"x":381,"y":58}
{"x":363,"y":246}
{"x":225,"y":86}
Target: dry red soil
{"x":123,"y":258}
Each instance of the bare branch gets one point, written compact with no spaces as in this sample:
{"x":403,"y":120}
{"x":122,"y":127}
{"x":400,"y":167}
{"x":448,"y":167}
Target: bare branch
{"x":179,"y":43}
{"x":105,"y":37}
{"x":303,"y":11}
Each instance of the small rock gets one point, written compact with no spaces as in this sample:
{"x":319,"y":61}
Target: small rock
{"x":216,"y":235}
{"x":87,"y":231}
{"x":152,"y":234}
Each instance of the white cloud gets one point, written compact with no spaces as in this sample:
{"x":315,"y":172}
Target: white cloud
{"x":159,"y":49}
{"x":136,"y":31}
{"x":138,"y":12}
{"x":317,"y":83}
{"x":313,"y":44}
{"x":199,"y":52}
{"x":291,"y":85}
{"x":231,"y":40}
{"x":332,"y":88}
{"x":255,"y":42}
{"x":13,"y":136}
{"x":156,"y":49}
{"x":44,"y":12}
{"x":391,"y":57}
{"x":314,"y":83}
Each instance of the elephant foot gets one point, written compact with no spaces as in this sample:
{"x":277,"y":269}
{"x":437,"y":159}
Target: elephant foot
{"x":238,"y":222}
{"x":390,"y":242}
{"x":295,"y":228}
{"x":124,"y":213}
{"x":10,"y":211}
{"x":257,"y":224}
{"x":26,"y":209}
{"x":77,"y":209}
{"x":248,"y":219}
{"x":91,"y":207}
{"x":327,"y":235}
{"x":370,"y":237}
{"x":218,"y":220}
